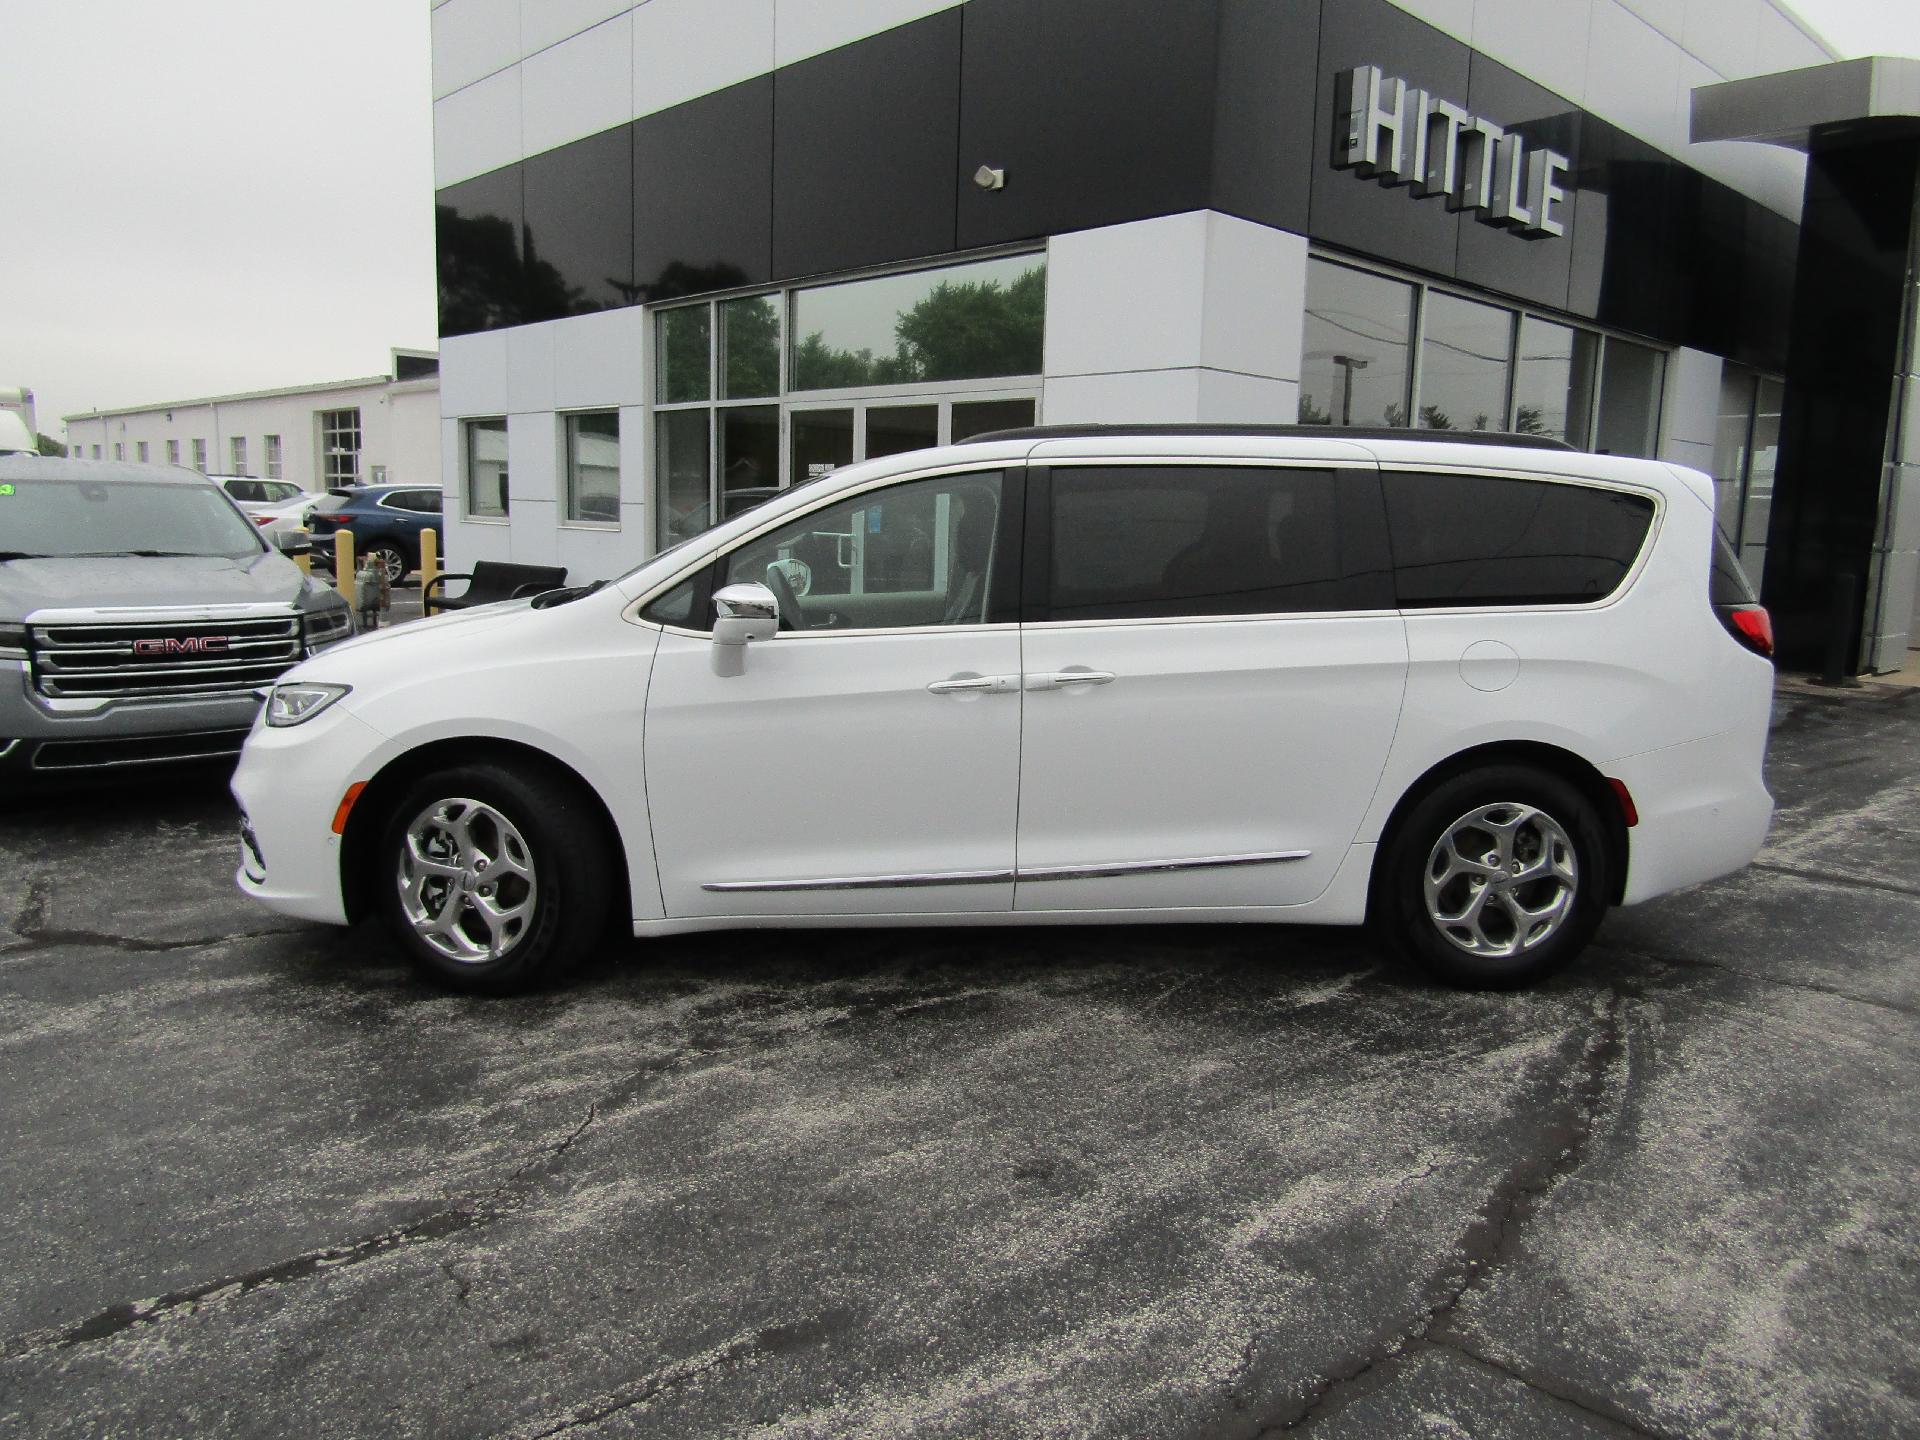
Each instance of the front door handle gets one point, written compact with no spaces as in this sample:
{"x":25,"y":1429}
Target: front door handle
{"x":1059,"y":679}
{"x":968,"y":684}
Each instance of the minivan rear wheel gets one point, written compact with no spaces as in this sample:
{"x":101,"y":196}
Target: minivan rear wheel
{"x":493,"y":877}
{"x":1494,"y":879}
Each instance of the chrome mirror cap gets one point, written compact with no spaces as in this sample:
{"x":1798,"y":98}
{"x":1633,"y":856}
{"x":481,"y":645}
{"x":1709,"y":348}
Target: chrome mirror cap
{"x":743,"y":612}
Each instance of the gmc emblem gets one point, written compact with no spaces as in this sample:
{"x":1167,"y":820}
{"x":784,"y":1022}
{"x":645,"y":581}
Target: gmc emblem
{"x":183,"y":645}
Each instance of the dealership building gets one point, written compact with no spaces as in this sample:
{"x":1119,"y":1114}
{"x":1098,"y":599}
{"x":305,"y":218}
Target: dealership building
{"x":690,"y":250}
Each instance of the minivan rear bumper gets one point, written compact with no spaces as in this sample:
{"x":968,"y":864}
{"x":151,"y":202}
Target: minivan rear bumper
{"x":1704,"y":811}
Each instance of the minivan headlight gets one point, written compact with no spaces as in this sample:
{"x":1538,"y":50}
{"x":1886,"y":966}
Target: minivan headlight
{"x":298,"y":703}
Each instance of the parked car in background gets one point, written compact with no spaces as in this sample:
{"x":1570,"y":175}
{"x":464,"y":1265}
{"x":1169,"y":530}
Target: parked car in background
{"x":276,"y":506}
{"x":384,"y":520}
{"x":1471,"y":693}
{"x":140,"y":616}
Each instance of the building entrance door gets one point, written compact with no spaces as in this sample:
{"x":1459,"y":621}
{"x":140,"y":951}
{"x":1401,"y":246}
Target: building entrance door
{"x":825,"y":437}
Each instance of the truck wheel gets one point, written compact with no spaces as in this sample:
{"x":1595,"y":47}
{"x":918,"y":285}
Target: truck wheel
{"x":494,"y":877}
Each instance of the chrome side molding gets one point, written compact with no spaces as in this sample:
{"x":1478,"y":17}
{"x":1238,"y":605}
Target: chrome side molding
{"x":997,"y":877}
{"x":1147,"y":867}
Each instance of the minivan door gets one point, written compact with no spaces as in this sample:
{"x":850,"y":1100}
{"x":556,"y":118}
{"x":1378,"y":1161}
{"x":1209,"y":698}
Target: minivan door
{"x":1214,"y":676}
{"x":867,"y":760}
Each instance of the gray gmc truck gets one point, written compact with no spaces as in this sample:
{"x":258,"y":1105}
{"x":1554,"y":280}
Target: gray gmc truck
{"x":140,"y":610}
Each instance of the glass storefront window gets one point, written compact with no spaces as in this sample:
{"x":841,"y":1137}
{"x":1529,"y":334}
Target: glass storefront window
{"x":749,"y":349}
{"x":1553,"y":380}
{"x":593,"y":467}
{"x":822,"y":441}
{"x":963,"y":322}
{"x":749,"y":455}
{"x":681,"y":476}
{"x":1359,"y":328}
{"x":1628,"y":422}
{"x":487,"y":468}
{"x":982,"y":417}
{"x":896,"y":429}
{"x":685,"y":355}
{"x":1732,"y":435}
{"x":1465,"y":351}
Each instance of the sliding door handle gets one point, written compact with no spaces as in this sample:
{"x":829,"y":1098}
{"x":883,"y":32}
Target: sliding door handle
{"x":968,"y":684}
{"x":1060,"y":679}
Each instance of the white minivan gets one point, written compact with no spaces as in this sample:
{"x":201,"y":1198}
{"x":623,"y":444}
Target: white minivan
{"x":1470,"y":693}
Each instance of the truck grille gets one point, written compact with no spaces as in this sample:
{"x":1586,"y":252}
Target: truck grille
{"x":160,"y":659}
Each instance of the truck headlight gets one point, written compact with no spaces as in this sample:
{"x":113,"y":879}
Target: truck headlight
{"x":298,"y":703}
{"x":324,"y":627}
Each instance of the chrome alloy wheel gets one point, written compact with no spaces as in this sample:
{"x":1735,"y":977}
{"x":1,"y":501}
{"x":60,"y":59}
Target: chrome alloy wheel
{"x":1501,"y":880}
{"x":466,"y":880}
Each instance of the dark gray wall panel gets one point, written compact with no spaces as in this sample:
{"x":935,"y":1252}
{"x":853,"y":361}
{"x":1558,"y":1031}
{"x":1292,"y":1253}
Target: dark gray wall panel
{"x":703,"y":193}
{"x":1099,"y":111}
{"x":577,"y":240}
{"x":477,"y":245}
{"x":1499,"y":260}
{"x":1364,"y":215}
{"x":863,"y":150}
{"x":1266,"y":97}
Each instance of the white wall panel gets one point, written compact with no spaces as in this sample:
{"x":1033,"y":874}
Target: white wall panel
{"x":1779,"y":44}
{"x":1253,"y":313}
{"x":477,"y":129}
{"x":530,"y":363}
{"x":1722,"y":34}
{"x":1127,"y":297}
{"x":1450,"y":17}
{"x":1545,"y":42}
{"x":1669,"y":17}
{"x":1123,"y":398}
{"x":683,"y":49}
{"x":473,"y":374}
{"x":1690,"y":410}
{"x":600,"y":359}
{"x":1230,"y":399}
{"x":548,"y":22}
{"x":595,"y":554}
{"x":1633,"y":72}
{"x":578,"y":87}
{"x":810,"y":27}
{"x":472,"y":39}
{"x":534,"y":533}
{"x":533,"y":463}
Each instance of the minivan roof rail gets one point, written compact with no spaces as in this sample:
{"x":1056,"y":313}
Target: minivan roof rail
{"x":1309,"y":432}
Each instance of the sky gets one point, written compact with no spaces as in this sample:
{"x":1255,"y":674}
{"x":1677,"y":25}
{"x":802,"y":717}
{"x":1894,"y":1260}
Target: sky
{"x":223,"y":195}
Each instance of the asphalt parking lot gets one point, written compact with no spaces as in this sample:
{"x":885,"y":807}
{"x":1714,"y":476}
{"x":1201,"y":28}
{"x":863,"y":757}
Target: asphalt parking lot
{"x":256,"y":1180}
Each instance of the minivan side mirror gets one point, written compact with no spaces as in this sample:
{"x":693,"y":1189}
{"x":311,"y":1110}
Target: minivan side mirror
{"x":743,"y":612}
{"x":293,"y":542}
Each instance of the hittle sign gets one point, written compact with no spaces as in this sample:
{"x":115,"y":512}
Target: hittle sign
{"x":1387,"y":130}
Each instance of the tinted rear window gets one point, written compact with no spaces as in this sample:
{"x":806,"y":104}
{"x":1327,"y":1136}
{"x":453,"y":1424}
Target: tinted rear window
{"x":1728,"y":585}
{"x":1478,"y":540}
{"x":1134,"y":542}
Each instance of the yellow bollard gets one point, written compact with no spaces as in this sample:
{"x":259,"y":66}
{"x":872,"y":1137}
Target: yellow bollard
{"x":305,"y":559}
{"x":343,"y":566}
{"x":429,"y":560}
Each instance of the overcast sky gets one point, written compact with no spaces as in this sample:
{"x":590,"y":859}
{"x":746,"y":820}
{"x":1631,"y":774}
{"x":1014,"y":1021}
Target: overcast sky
{"x":220,"y":195}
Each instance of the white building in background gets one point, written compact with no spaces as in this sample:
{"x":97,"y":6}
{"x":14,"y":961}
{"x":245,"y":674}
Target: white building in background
{"x":377,"y":430}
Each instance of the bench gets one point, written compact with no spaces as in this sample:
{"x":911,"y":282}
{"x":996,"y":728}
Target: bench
{"x":489,"y":582}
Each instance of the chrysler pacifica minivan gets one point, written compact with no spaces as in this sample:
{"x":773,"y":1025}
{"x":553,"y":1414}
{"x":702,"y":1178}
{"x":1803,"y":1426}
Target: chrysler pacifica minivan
{"x":1471,"y":694}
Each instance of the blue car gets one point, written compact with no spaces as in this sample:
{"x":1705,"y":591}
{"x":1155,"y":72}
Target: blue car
{"x":384,"y":520}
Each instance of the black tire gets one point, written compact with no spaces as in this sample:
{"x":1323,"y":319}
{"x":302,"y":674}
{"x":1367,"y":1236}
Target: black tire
{"x":534,"y":831}
{"x":392,"y":557}
{"x":1507,"y":931}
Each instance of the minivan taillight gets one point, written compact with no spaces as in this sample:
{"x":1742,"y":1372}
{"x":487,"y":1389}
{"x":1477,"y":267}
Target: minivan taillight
{"x":1751,"y":626}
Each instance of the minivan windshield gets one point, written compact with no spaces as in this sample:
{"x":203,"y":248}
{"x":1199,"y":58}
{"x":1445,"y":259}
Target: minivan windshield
{"x":61,"y":519}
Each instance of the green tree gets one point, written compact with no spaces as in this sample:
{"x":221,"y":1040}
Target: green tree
{"x":961,"y":330}
{"x":50,"y":446}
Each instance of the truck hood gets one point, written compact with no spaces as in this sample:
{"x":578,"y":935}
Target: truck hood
{"x":89,"y":582}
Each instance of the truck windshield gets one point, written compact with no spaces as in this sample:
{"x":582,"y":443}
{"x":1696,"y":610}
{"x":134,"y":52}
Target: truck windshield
{"x":59,"y":519}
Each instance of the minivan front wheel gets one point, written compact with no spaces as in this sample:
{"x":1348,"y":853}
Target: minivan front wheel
{"x":1496,"y":878}
{"x":493,"y":877}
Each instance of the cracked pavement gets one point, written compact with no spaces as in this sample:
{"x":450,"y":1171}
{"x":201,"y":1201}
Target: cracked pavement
{"x":1179,"y":1181}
